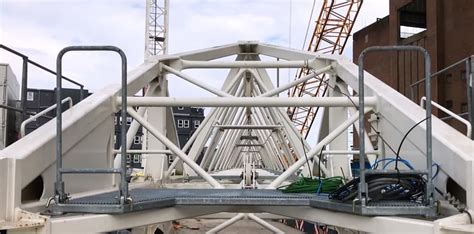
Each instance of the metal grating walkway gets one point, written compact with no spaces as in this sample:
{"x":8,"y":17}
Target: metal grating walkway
{"x":143,"y":199}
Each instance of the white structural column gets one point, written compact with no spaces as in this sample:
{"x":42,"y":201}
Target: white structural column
{"x":338,"y":164}
{"x":134,"y":126}
{"x":368,"y":143}
{"x":155,"y":164}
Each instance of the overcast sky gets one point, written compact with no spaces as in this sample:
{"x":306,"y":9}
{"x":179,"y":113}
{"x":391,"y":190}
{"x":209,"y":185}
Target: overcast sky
{"x":40,"y":28}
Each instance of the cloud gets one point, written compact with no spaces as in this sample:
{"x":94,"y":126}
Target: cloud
{"x":40,"y":28}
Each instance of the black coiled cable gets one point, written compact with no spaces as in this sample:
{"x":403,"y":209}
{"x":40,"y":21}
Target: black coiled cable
{"x":384,"y":187}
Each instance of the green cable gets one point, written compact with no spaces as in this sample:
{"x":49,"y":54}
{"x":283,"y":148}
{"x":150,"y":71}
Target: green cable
{"x":309,"y":185}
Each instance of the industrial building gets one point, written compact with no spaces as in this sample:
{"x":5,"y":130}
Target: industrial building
{"x":441,"y":27}
{"x":187,"y":120}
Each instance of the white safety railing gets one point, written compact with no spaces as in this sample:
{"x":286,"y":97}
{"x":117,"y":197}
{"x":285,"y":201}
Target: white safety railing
{"x":35,"y":117}
{"x":452,"y":114}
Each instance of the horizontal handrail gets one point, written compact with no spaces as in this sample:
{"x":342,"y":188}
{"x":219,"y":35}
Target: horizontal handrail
{"x":37,"y":64}
{"x":90,"y":170}
{"x":436,"y":74}
{"x":167,"y":152}
{"x":452,"y":114}
{"x":36,"y":116}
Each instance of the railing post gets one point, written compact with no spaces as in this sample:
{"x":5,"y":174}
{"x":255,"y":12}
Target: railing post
{"x":469,"y":93}
{"x":81,"y":94}
{"x":24,"y":87}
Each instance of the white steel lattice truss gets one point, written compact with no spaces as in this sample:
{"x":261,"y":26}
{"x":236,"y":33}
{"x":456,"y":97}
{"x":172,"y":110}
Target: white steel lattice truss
{"x":156,"y":28}
{"x":246,"y":130}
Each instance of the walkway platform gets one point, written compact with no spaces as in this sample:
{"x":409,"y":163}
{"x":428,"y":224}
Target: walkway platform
{"x":143,"y":199}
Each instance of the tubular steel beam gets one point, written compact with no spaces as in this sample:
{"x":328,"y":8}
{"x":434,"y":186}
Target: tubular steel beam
{"x":247,"y":101}
{"x":249,"y":145}
{"x":296,"y":82}
{"x":270,"y":127}
{"x":264,"y":224}
{"x":226,"y":224}
{"x":246,"y":64}
{"x":90,"y":170}
{"x":191,"y":80}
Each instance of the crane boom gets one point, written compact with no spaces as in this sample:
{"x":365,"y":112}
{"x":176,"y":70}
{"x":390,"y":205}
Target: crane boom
{"x":330,"y":36}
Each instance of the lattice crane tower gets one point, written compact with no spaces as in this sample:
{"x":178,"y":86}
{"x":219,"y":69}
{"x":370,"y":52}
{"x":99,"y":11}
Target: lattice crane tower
{"x":156,"y":29}
{"x":330,"y":36}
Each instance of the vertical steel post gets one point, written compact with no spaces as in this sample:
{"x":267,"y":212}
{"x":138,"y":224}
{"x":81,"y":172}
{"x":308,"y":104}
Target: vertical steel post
{"x":362,"y":193}
{"x":124,"y":182}
{"x":24,"y":87}
{"x":469,"y":93}
{"x":59,"y":194}
{"x":429,"y":139}
{"x":278,"y":77}
{"x":81,"y":94}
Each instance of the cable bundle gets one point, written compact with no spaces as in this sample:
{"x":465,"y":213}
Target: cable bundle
{"x":309,"y":185}
{"x":384,"y":187}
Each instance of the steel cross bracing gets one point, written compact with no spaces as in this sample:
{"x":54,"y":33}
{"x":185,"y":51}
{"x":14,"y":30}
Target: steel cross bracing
{"x":330,"y":36}
{"x":245,"y":125}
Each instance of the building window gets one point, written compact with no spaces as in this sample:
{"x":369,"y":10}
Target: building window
{"x":128,"y":158}
{"x":137,"y":140}
{"x":115,"y":139}
{"x":186,"y":123}
{"x":129,"y":120}
{"x":136,"y":158}
{"x":196,"y":123}
{"x":180,"y":123}
{"x":464,"y":108}
{"x":180,"y":108}
{"x":30,"y":96}
{"x":463,"y":75}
